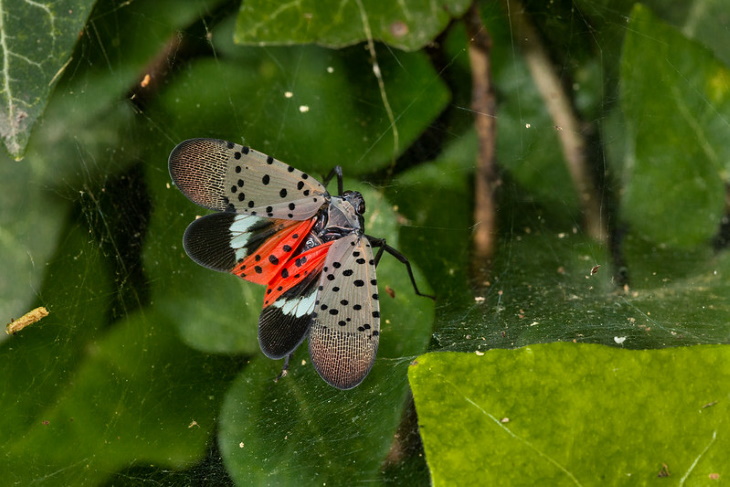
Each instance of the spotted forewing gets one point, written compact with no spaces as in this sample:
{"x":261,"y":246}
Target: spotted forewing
{"x":224,"y":176}
{"x":344,"y":334}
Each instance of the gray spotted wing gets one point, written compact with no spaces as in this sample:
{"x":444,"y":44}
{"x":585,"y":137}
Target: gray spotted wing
{"x":344,"y":334}
{"x":224,"y":176}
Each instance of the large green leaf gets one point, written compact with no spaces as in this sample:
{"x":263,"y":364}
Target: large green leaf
{"x":567,"y":414}
{"x":408,"y":24}
{"x":36,"y":39}
{"x":676,"y":98}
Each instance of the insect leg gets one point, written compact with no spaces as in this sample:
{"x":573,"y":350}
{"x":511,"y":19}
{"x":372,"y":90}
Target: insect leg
{"x":384,"y":247}
{"x":336,"y":171}
{"x":284,"y":369}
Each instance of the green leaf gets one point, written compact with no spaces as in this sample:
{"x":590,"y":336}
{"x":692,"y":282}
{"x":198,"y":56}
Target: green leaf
{"x":82,"y":396}
{"x":701,"y":23}
{"x":268,"y":430}
{"x":529,"y":149}
{"x":566,"y":414}
{"x":308,"y":106}
{"x":132,"y":398}
{"x":122,"y":42}
{"x":543,"y":286}
{"x":39,"y":361}
{"x":25,"y":242}
{"x":36,"y":39}
{"x":87,"y":131}
{"x":408,"y":24}
{"x":435,"y":232}
{"x":676,"y":98}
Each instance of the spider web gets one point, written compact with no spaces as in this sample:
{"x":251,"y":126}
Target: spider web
{"x":144,"y":353}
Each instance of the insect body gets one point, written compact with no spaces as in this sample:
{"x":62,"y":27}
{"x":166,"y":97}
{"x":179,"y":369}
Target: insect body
{"x":279,"y":227}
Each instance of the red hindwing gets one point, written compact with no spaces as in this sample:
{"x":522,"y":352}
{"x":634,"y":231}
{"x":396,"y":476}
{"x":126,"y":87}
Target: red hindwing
{"x":264,"y":264}
{"x":295,"y":270}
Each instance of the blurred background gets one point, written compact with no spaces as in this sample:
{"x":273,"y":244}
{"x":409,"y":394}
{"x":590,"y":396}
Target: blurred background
{"x":147,"y":368}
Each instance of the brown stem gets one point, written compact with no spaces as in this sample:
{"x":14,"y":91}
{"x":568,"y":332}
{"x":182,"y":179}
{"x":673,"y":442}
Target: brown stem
{"x":564,"y":117}
{"x":486,"y":178}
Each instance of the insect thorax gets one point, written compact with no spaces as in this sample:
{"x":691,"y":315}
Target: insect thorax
{"x":341,"y":217}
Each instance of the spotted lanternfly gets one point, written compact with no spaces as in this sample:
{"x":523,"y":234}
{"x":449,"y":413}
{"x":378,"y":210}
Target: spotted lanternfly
{"x":279,"y":227}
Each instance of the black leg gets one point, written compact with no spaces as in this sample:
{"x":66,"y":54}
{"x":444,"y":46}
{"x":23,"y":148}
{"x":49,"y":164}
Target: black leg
{"x":384,"y":247}
{"x":336,"y":171}
{"x":284,"y":369}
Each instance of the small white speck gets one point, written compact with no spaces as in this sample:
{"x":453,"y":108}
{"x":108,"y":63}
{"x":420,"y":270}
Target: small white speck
{"x":527,"y":125}
{"x":303,"y":108}
{"x":504,"y":420}
{"x":240,"y":445}
{"x":479,"y":299}
{"x":479,"y":353}
{"x":288,"y":94}
{"x":619,"y":340}
{"x":330,"y":69}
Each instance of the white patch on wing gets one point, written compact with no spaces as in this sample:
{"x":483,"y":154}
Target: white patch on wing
{"x":240,"y":240}
{"x":240,"y":234}
{"x":241,"y":254}
{"x":298,"y":306}
{"x":243,"y":223}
